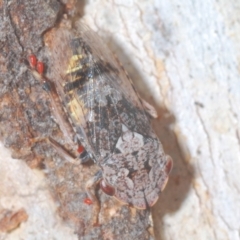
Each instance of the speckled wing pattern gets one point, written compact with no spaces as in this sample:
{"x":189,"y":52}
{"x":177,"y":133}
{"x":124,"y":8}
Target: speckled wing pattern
{"x":109,"y":119}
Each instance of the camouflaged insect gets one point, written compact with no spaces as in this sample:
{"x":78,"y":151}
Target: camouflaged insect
{"x":108,"y":118}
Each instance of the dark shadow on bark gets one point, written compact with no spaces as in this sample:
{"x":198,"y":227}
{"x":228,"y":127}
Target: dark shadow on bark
{"x":182,"y":174}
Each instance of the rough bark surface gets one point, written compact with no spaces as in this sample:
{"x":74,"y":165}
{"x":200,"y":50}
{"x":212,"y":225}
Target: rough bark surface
{"x":183,"y":58}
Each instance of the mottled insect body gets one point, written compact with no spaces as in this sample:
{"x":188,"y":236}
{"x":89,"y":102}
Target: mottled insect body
{"x":108,"y":118}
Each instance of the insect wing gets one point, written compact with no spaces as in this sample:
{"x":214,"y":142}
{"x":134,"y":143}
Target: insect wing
{"x":108,"y":116}
{"x":95,"y":91}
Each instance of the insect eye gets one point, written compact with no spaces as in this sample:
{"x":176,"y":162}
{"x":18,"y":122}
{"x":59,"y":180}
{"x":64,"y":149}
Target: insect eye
{"x":169,"y":165}
{"x":108,"y":189}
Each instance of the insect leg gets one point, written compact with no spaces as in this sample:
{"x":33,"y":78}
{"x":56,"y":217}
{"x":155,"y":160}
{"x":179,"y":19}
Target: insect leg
{"x":90,"y":188}
{"x":63,"y":152}
{"x":84,"y":157}
{"x":37,"y":69}
{"x":83,"y":154}
{"x":149,"y":109}
{"x":57,"y":109}
{"x":167,"y":170}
